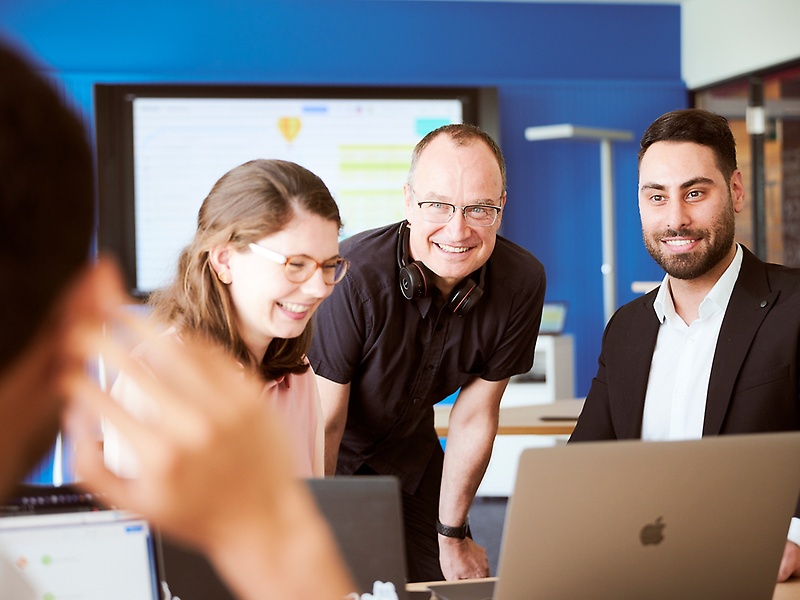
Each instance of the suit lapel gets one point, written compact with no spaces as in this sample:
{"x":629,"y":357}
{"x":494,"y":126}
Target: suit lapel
{"x":750,"y":303}
{"x":641,"y":343}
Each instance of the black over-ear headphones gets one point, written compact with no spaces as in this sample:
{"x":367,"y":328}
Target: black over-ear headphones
{"x":415,"y":279}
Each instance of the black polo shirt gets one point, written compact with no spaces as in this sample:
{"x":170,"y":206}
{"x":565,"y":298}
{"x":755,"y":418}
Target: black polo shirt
{"x":403,"y":356}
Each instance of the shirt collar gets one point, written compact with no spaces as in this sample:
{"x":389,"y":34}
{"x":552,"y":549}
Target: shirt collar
{"x":424,"y":305}
{"x":716,"y":299}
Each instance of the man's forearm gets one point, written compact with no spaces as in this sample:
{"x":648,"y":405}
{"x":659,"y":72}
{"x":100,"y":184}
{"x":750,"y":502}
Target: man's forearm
{"x":471,"y":432}
{"x":466,"y":459}
{"x":467,"y":456}
{"x":334,"y":398}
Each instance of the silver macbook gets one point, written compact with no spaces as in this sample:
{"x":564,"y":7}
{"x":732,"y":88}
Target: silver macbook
{"x":630,"y":519}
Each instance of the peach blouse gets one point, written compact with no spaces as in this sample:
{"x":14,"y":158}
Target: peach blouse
{"x":294,"y":396}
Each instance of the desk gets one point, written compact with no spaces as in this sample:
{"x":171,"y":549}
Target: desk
{"x":519,"y":427}
{"x":783,"y":591}
{"x":787,"y":591}
{"x":536,"y":419}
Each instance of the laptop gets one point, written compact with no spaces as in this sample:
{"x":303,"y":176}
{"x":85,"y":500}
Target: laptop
{"x":65,"y":544}
{"x":365,"y":517}
{"x":630,"y":519}
{"x":189,"y":575}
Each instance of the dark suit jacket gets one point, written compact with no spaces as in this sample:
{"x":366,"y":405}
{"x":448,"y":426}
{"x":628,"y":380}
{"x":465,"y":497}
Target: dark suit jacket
{"x":754,"y":376}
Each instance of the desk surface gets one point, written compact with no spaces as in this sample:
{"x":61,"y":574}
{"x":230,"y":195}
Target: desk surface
{"x":787,"y":591}
{"x":783,"y":591}
{"x":552,"y":418}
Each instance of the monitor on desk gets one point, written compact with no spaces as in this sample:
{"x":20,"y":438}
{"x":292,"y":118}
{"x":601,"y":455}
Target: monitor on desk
{"x":554,"y":317}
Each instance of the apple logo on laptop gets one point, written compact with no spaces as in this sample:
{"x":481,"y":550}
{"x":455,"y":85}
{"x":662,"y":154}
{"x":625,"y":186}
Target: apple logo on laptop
{"x":652,"y":533}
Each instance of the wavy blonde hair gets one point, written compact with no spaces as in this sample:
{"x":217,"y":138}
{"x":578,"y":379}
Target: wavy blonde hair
{"x":249,"y":202}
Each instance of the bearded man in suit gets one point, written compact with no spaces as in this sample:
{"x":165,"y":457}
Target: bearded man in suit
{"x":714,"y":349}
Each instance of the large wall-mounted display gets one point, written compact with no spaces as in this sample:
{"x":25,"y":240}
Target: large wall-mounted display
{"x":160,"y":149}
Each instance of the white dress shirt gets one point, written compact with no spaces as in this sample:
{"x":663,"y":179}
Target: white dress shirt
{"x":675,"y":404}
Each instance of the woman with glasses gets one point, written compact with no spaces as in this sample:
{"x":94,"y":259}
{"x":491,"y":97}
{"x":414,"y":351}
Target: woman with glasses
{"x":263,"y":258}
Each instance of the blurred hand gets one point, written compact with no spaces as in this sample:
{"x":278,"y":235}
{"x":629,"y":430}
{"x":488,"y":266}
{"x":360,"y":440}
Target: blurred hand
{"x":213,"y":463}
{"x":197,"y":450}
{"x":790,"y":563}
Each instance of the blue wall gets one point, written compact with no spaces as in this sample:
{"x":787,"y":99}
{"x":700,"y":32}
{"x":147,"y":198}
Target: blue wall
{"x":610,"y":66}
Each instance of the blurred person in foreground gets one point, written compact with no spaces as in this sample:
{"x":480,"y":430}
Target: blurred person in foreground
{"x":213,"y":476}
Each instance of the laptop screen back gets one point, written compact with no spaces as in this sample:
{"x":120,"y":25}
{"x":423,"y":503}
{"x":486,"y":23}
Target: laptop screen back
{"x":615,"y":520}
{"x":365,"y":515}
{"x":691,"y":519}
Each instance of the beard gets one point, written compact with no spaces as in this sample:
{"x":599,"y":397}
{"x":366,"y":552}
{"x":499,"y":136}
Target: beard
{"x":690,"y":265}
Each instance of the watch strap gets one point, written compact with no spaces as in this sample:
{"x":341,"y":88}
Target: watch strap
{"x":453,"y":532}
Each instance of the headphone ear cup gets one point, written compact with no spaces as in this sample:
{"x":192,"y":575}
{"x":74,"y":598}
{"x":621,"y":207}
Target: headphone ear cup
{"x":414,"y":276}
{"x":413,"y":282}
{"x":464,"y":297}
